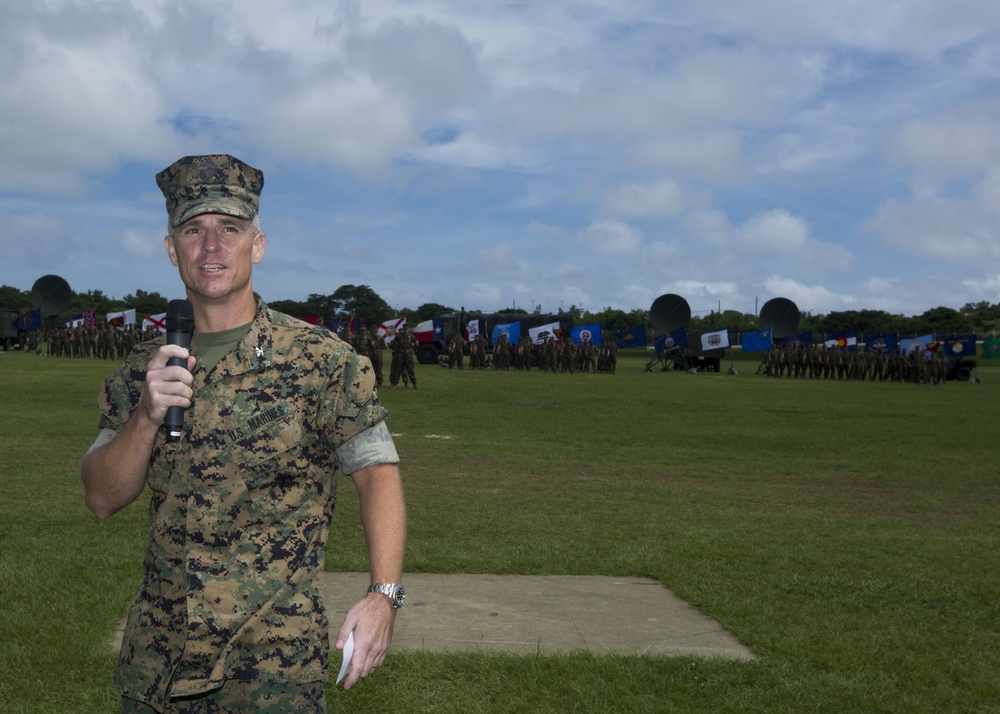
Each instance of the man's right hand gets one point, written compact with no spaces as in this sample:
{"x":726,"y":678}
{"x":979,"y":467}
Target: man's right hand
{"x":114,"y":474}
{"x":166,"y":386}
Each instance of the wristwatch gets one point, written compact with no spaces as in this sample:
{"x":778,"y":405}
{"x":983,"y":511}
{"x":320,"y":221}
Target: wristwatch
{"x":394,"y":592}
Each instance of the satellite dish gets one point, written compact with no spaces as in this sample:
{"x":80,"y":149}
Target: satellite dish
{"x":782,"y":316}
{"x":669,"y":312}
{"x":51,"y":294}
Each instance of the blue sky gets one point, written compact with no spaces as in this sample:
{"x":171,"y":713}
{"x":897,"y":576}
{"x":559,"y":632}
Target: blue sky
{"x":486,"y":154}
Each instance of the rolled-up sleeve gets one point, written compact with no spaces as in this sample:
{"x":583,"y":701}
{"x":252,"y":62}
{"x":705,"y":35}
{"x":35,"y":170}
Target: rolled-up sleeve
{"x":370,"y":447}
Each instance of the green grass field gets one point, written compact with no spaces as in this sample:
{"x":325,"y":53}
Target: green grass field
{"x":848,"y":532}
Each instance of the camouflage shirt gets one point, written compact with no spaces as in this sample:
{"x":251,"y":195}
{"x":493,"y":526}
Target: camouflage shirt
{"x":240,"y":511}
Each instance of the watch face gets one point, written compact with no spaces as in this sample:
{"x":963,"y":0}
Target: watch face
{"x":398,"y":597}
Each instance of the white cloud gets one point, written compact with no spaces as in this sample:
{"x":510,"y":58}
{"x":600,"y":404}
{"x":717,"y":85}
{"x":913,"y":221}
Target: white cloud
{"x":963,"y":141}
{"x":611,"y":237}
{"x":473,"y":150}
{"x":711,"y":226}
{"x":712,"y":153}
{"x":68,"y":110}
{"x":501,"y":258}
{"x":920,"y":27}
{"x":344,"y":121}
{"x":809,"y":298}
{"x":988,"y":287}
{"x":957,"y":231}
{"x":702,"y":290}
{"x":662,"y":253}
{"x":776,"y":231}
{"x":481,"y":294}
{"x":663,"y":198}
{"x":142,"y":244}
{"x":635,"y":294}
{"x":35,"y":240}
{"x":912,"y":297}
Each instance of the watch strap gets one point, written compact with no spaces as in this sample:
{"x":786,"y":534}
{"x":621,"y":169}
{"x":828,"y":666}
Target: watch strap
{"x":393,"y":591}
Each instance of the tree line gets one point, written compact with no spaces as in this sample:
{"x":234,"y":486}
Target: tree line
{"x":361,"y":301}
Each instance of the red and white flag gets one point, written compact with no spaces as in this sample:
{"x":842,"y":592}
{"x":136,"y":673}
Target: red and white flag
{"x":158,"y":322}
{"x":389,"y":330}
{"x":121,"y":319}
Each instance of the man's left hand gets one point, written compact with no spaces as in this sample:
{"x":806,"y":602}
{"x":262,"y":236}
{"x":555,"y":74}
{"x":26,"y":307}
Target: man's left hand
{"x":371,"y":620}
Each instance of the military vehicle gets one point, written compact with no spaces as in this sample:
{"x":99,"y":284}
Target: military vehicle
{"x":10,"y":338}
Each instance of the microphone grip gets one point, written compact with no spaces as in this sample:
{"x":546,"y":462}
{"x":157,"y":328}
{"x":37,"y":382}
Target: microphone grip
{"x":175,"y":415}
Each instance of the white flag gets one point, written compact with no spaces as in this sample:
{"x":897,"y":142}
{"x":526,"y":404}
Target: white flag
{"x":716,"y":340}
{"x":540,"y":334}
{"x":121,"y":319}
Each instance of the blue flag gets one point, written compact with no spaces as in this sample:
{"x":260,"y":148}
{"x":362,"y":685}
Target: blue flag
{"x":964,"y":346}
{"x":882,"y":343}
{"x":30,"y":320}
{"x":679,"y":336}
{"x":802,"y":339}
{"x":634,"y":336}
{"x":676,"y":340}
{"x":920,"y":344}
{"x":513,"y":330}
{"x":593,"y":332}
{"x":759,"y":341}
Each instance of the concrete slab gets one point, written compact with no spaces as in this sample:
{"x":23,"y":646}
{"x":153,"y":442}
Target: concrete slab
{"x":529,"y":614}
{"x":538,"y":614}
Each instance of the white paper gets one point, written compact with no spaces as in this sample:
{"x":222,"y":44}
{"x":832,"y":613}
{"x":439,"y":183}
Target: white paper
{"x":348,"y":652}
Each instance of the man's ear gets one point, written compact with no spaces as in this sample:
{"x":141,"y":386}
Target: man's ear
{"x":168,"y":242}
{"x":259,"y":244}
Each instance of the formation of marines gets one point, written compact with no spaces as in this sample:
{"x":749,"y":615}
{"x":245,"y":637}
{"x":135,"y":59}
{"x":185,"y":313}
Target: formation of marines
{"x":821,"y":362}
{"x":555,"y":356}
{"x":106,"y":341}
{"x":552,"y":355}
{"x":103,"y":341}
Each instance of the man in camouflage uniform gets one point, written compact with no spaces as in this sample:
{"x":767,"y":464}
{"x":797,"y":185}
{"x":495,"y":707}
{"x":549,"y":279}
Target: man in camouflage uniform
{"x":403,"y":348}
{"x":230,"y":614}
{"x":479,"y":349}
{"x":396,"y":365}
{"x":376,"y":343}
{"x":522,"y":351}
{"x":360,"y":343}
{"x":501,"y":353}
{"x":550,"y":352}
{"x":456,"y":351}
{"x":586,"y":354}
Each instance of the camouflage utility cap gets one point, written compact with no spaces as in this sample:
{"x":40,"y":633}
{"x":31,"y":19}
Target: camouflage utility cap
{"x":217,"y":183}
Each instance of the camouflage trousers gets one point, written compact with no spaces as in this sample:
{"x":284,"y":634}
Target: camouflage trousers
{"x":237,"y":696}
{"x":403,"y":368}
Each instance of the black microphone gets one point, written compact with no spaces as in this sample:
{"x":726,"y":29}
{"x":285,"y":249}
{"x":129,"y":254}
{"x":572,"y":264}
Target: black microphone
{"x":180,"y":327}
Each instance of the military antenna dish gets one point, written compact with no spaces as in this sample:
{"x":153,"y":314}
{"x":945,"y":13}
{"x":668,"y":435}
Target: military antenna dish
{"x":669,"y":312}
{"x":51,"y":294}
{"x":782,"y":316}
